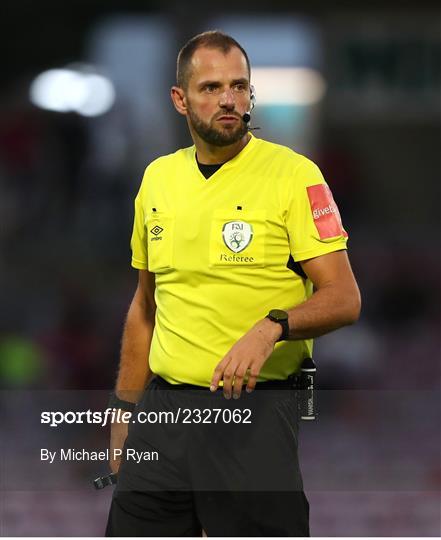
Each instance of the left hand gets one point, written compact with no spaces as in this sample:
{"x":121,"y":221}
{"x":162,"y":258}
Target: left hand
{"x":246,"y":358}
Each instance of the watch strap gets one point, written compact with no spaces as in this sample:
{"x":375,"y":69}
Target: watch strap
{"x":285,"y":330}
{"x":116,"y":403}
{"x":275,"y":316}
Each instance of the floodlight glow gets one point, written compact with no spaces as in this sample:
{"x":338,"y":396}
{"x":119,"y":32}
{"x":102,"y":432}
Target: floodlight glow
{"x":100,"y":96}
{"x":288,"y":86}
{"x":56,"y":89}
{"x":66,"y":90}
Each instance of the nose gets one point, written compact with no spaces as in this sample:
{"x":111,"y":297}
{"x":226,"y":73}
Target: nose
{"x":226,"y":99}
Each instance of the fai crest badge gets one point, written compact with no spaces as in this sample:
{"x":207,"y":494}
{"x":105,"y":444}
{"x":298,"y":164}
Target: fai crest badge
{"x":237,"y":235}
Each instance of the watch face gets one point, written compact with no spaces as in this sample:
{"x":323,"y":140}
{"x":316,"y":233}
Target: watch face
{"x":278,"y":315}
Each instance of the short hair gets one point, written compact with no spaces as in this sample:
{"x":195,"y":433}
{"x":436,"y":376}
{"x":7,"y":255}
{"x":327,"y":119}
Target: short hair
{"x":212,"y":39}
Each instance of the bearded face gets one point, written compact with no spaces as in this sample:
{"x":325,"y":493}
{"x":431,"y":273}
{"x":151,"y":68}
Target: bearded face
{"x":216,"y":132}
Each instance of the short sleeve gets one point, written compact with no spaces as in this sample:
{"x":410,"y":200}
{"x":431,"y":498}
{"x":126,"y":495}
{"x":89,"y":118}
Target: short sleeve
{"x":138,"y":241}
{"x":313,"y":220}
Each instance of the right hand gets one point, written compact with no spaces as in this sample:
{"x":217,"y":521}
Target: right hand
{"x":118,"y":436}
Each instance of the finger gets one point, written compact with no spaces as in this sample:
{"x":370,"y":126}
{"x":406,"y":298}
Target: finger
{"x":228,"y":379}
{"x":252,"y":380}
{"x":217,"y":375}
{"x":238,"y":381}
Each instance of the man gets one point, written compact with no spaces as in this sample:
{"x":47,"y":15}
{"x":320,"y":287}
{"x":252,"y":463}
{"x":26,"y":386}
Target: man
{"x":225,"y":232}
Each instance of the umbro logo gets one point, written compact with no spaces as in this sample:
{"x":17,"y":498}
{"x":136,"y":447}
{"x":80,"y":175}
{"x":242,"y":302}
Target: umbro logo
{"x":156,"y":230}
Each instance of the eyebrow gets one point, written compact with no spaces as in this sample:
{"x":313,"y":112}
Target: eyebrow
{"x":240,"y":81}
{"x":207,"y":83}
{"x":217,"y":83}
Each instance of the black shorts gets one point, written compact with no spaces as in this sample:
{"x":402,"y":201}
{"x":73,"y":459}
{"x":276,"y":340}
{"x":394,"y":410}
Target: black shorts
{"x":229,"y":467}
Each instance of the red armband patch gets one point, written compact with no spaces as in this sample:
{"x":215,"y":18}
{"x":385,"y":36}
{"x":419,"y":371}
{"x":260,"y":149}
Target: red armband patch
{"x":325,"y":212}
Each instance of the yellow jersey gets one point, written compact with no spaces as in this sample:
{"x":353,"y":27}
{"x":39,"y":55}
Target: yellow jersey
{"x":219,"y":250}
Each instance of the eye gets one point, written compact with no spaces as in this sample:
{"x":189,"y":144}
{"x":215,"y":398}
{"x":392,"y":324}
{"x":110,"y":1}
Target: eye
{"x":209,"y":88}
{"x":240,"y":87}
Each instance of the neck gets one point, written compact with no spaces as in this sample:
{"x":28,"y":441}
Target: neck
{"x":209,"y":154}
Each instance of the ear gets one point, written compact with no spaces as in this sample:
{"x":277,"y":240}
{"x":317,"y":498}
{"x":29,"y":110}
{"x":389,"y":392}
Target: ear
{"x":178,"y":97}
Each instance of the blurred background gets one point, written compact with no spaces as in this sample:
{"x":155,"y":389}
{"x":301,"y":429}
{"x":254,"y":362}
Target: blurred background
{"x":84,"y":106}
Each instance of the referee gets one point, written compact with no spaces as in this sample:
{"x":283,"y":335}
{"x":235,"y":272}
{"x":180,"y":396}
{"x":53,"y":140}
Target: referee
{"x":242,"y":261}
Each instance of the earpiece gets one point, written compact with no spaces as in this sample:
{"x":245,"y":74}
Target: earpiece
{"x":247,"y":116}
{"x":252,"y":96}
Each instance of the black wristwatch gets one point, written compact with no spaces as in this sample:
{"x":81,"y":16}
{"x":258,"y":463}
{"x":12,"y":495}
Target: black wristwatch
{"x":116,"y":403}
{"x":281,"y":317}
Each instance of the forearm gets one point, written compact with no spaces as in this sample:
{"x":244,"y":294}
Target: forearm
{"x":335,"y":303}
{"x":134,"y":371}
{"x":326,"y":310}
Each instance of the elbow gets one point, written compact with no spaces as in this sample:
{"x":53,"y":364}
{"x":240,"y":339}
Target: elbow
{"x":353,"y":307}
